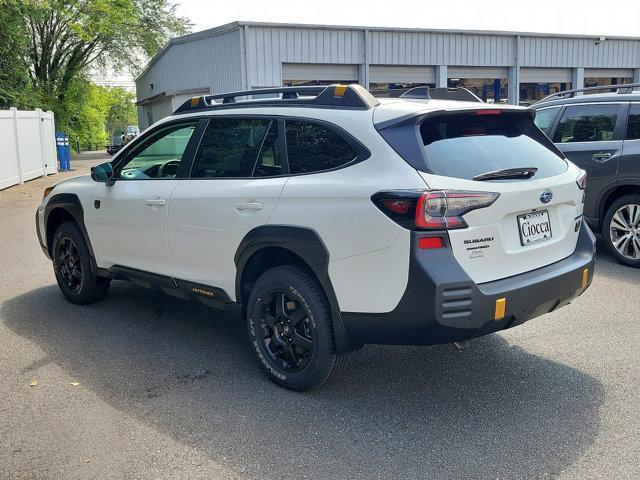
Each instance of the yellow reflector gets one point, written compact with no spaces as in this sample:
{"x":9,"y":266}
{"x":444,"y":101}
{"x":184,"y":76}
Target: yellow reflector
{"x":501,"y":306}
{"x":195,"y":101}
{"x":339,"y":90}
{"x":585,"y":277}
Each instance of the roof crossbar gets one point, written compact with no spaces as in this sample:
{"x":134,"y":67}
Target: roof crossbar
{"x":329,"y":96}
{"x":620,"y":88}
{"x":443,"y":93}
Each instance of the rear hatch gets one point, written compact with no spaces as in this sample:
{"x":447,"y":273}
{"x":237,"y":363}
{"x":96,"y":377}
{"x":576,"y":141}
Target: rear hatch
{"x":535,"y":217}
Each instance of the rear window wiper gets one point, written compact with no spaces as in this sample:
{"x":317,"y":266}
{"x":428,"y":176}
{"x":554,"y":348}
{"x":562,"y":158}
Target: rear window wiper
{"x":520,"y":172}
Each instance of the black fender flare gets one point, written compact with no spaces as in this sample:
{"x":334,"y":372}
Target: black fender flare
{"x":307,"y":245}
{"x":72,"y":205}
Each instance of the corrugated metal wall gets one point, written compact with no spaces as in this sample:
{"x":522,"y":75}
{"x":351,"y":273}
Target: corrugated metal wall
{"x":213,"y":62}
{"x":267,"y":48}
{"x":247,"y":55}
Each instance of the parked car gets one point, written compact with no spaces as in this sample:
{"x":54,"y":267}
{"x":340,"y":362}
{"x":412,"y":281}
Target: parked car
{"x":329,"y":219}
{"x":601,"y":134}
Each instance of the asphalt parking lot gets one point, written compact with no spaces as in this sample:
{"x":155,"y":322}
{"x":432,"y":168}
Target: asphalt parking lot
{"x":169,"y":389}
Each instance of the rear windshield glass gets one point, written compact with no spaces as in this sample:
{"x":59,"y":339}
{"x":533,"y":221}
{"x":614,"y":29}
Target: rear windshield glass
{"x":466,"y":145}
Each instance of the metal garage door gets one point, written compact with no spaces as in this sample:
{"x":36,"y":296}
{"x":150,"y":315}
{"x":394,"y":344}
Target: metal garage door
{"x":401,"y":74}
{"x":544,"y":75}
{"x":477,"y":72}
{"x":608,"y":72}
{"x":317,"y":71}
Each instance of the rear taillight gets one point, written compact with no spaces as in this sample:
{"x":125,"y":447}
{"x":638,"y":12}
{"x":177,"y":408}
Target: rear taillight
{"x":582,"y":180}
{"x":431,"y":210}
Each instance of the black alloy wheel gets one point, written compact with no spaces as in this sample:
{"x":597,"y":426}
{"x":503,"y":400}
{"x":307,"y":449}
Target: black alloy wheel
{"x":68,"y":264}
{"x":74,"y":267}
{"x":285,"y":330}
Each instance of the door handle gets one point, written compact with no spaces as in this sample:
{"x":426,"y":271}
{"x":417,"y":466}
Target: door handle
{"x":601,"y":156}
{"x":249,"y":206}
{"x":160,"y":202}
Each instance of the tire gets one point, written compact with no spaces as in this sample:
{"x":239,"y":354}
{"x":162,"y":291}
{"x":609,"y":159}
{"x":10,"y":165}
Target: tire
{"x":621,"y":221}
{"x":290,"y":329}
{"x":72,"y":265}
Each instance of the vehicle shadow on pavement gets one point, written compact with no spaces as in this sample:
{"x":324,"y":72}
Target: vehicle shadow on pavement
{"x":492,"y":410}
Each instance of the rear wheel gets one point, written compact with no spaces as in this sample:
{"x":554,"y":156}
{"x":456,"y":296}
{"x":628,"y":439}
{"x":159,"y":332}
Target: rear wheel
{"x":621,"y":230}
{"x":72,"y":266}
{"x":290,"y":329}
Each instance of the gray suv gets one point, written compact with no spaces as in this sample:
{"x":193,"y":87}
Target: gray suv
{"x":601,"y":134}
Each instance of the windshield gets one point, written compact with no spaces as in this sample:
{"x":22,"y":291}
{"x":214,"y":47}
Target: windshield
{"x":470,"y":144}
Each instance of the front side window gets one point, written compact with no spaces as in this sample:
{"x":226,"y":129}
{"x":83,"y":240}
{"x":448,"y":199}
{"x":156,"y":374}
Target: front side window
{"x":633,"y":124}
{"x":312,"y":147}
{"x":159,"y":156}
{"x":587,"y":123}
{"x":544,"y":119}
{"x":230,"y":147}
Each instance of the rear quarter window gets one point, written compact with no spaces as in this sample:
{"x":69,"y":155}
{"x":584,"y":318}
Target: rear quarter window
{"x":466,"y":145}
{"x":312,"y":147}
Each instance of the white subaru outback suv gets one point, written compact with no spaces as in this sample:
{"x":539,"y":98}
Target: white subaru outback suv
{"x":329,"y":219}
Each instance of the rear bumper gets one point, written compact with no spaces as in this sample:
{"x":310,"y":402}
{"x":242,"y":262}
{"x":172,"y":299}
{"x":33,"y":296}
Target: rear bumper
{"x":442,"y":304}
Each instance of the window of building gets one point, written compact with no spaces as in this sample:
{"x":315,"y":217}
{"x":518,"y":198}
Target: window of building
{"x":229,"y":148}
{"x":313,"y":148}
{"x":587,"y":123}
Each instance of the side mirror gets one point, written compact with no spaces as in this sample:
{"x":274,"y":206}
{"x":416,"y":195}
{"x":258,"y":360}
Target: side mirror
{"x":102,"y":173}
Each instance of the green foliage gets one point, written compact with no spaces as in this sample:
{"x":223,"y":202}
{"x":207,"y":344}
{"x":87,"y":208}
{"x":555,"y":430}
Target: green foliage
{"x":47,"y":47}
{"x":122,"y":111}
{"x":15,"y":84}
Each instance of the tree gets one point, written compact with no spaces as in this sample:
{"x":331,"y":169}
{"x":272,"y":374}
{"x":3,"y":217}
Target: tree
{"x":65,"y":37}
{"x":122,"y":111}
{"x":15,"y":87}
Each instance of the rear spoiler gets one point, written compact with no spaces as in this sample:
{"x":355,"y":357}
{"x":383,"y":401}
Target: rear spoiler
{"x":421,"y":115}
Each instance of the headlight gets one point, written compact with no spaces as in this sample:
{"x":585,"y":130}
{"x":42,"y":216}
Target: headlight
{"x":47,"y":191}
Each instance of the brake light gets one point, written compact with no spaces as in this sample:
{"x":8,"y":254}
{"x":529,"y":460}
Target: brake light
{"x":431,"y":210}
{"x":582,"y":180}
{"x":493,"y":111}
{"x":444,"y":209}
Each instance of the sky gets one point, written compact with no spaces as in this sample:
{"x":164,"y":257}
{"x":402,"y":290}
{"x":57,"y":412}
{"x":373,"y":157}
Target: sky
{"x":594,"y":17}
{"x":586,"y":17}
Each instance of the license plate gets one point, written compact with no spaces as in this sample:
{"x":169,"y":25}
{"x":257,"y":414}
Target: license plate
{"x":534,"y":227}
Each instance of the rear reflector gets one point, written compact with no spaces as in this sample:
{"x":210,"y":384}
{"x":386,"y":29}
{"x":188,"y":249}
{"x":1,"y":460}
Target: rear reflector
{"x":501,"y":307}
{"x":430,"y":242}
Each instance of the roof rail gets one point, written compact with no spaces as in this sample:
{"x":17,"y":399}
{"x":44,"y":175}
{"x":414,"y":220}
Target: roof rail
{"x":620,"y":88}
{"x":328,"y":96}
{"x":444,"y":93}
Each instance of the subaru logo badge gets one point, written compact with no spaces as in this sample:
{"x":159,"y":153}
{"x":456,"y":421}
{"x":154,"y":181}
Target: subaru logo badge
{"x":546,"y":196}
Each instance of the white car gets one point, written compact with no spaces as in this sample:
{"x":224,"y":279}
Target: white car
{"x":329,"y":219}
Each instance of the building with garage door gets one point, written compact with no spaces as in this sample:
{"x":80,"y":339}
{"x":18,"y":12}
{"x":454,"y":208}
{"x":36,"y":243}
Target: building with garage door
{"x":497,"y":66}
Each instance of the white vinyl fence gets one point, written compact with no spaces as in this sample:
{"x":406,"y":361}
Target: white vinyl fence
{"x":27,"y":146}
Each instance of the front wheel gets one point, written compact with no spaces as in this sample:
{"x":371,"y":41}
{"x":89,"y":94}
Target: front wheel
{"x":621,"y":230}
{"x":290,"y":329}
{"x":73,"y":268}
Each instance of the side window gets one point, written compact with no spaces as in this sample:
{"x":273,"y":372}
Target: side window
{"x":159,"y":156}
{"x":545,"y":117}
{"x":633,"y":124}
{"x":312,"y":148}
{"x":587,"y":123}
{"x":229,"y":148}
{"x":270,"y":158}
